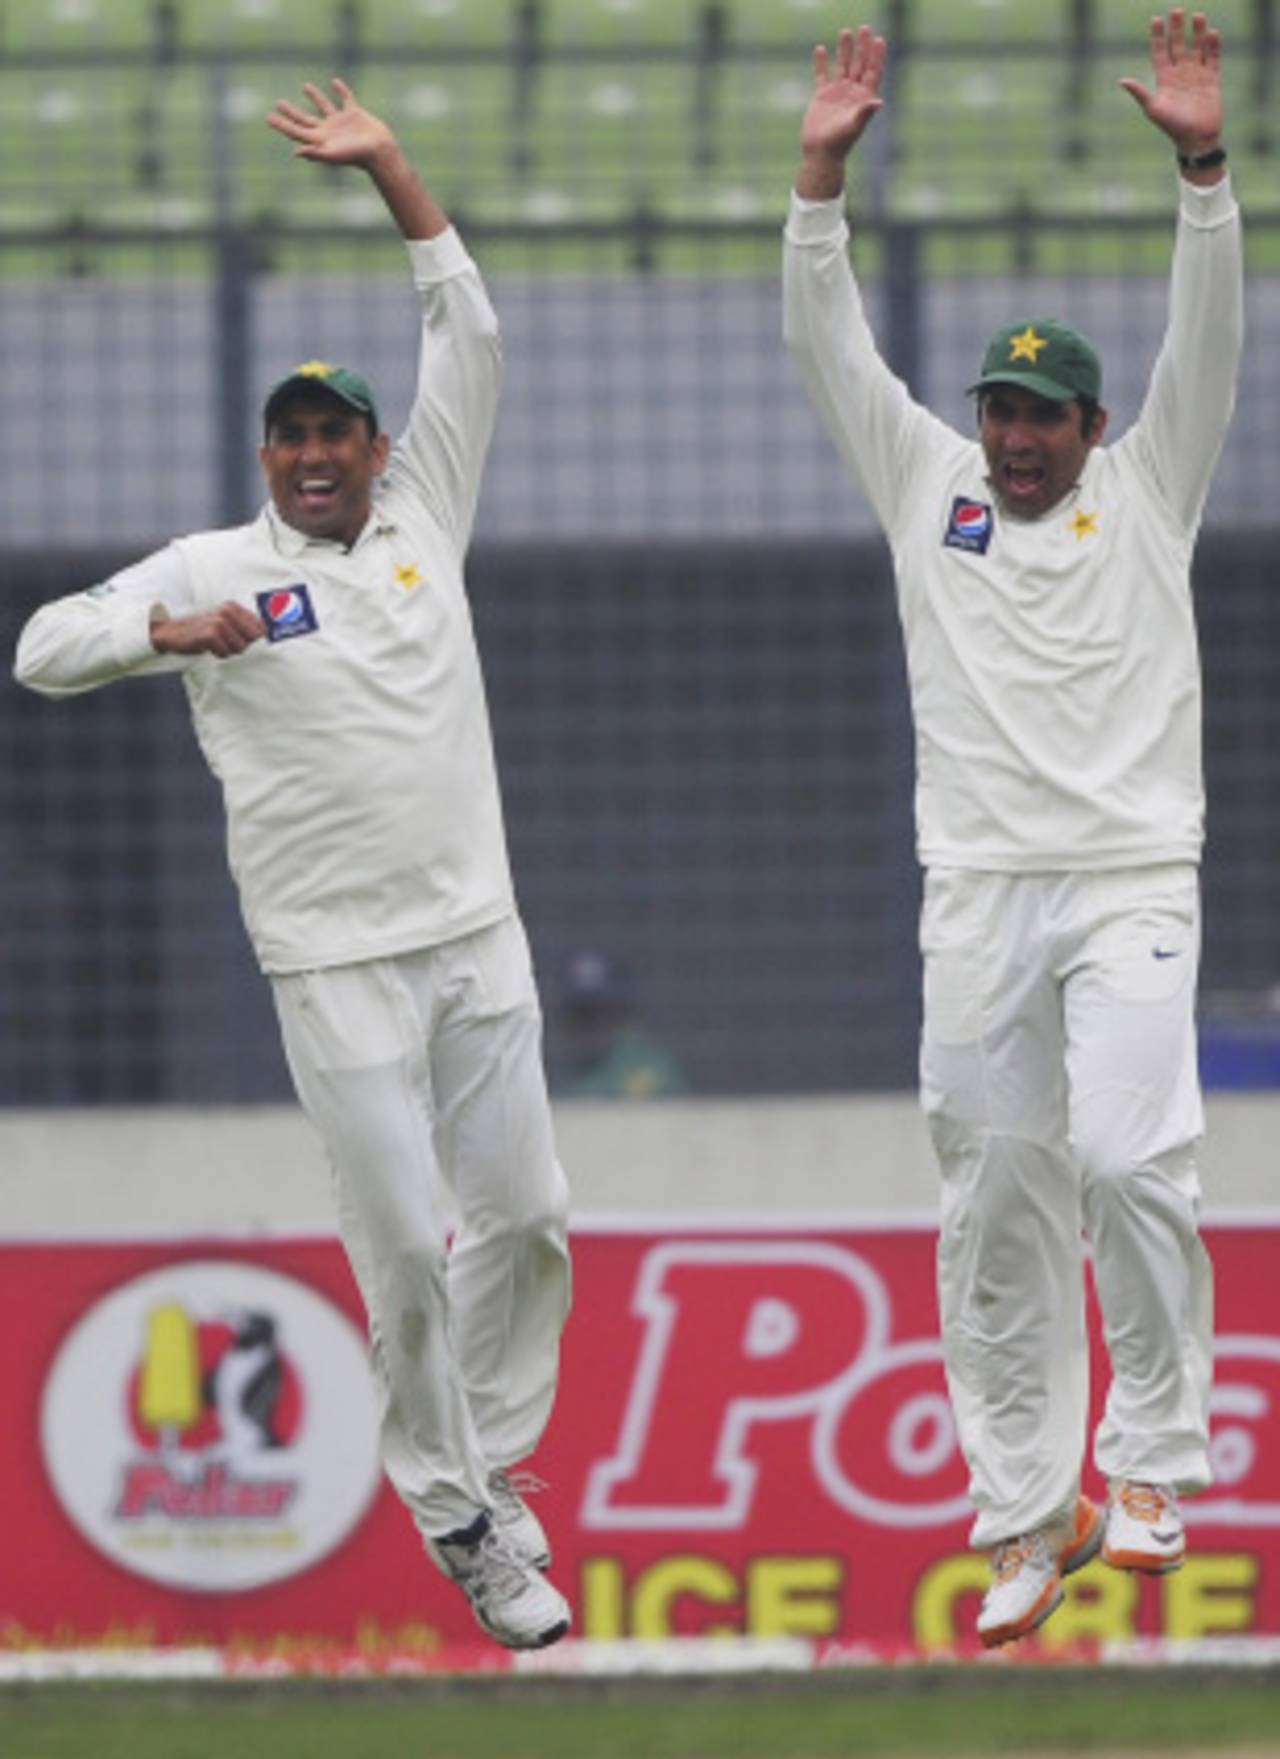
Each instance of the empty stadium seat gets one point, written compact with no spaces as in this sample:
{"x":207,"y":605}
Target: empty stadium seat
{"x":614,"y":24}
{"x":613,"y":131}
{"x":456,"y":121}
{"x":990,"y":23}
{"x":75,"y":25}
{"x":427,"y":24}
{"x":256,"y":24}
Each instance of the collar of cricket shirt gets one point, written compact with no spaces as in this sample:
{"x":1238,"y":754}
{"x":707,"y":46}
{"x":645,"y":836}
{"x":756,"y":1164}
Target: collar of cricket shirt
{"x":287,"y":541}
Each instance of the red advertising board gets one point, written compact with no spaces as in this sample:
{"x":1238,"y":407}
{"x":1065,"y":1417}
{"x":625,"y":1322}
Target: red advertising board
{"x":752,"y":1436}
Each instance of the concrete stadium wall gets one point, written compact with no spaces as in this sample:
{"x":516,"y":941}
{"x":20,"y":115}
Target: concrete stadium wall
{"x":159,"y":1171}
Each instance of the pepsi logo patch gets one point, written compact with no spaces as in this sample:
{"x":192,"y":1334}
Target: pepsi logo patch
{"x":287,"y":611}
{"x":969,"y":527}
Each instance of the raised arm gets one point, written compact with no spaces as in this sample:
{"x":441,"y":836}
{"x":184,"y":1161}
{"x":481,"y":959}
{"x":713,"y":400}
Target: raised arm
{"x":844,"y":100}
{"x":440,"y":455}
{"x":345,"y":133}
{"x":1189,"y":401}
{"x":880,"y":432}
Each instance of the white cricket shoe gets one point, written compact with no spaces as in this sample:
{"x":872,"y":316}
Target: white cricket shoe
{"x":1144,"y":1528}
{"x":511,"y":1599}
{"x":1028,"y":1572}
{"x":513,"y":1517}
{"x":1026,"y":1587}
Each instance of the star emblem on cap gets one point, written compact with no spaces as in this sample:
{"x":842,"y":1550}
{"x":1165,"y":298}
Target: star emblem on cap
{"x":1084,"y":524}
{"x":408,"y":575}
{"x":314,"y":369}
{"x":1027,"y":345}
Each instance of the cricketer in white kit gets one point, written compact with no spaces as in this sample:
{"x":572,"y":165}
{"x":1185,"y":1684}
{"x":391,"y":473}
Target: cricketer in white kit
{"x":1044,"y":594}
{"x":334,"y":683}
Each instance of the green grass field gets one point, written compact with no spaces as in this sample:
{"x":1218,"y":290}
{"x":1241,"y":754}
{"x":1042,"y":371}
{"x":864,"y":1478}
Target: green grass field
{"x":904,"y":1712}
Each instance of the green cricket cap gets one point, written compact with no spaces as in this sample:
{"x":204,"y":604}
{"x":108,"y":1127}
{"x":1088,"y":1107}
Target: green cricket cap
{"x":339,"y":380}
{"x":1045,"y":356}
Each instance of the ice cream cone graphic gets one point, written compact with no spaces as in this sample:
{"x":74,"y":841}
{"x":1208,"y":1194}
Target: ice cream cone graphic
{"x":169,"y":1394}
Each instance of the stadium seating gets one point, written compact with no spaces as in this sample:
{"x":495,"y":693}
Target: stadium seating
{"x":586,"y":110}
{"x":82,"y":27}
{"x":1017,"y":24}
{"x":943,"y":162}
{"x":244,"y":26}
{"x":458,"y":122}
{"x":434,"y":24}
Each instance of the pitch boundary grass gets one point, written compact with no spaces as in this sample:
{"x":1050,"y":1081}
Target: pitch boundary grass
{"x":906,"y":1712}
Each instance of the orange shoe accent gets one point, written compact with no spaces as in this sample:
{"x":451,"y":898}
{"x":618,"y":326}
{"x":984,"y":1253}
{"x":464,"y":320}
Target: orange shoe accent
{"x":1086,"y":1537}
{"x":1142,"y":1561}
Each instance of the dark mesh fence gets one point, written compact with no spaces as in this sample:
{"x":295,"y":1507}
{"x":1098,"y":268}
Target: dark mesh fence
{"x":706,"y":769}
{"x":707,"y":772}
{"x":685,"y":612}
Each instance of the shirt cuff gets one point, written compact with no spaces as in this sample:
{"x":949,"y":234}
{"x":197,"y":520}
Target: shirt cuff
{"x":439,"y":258}
{"x":1207,"y":207}
{"x":131,"y":632}
{"x":816,"y":222}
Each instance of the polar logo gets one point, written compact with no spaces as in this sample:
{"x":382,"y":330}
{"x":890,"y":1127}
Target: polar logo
{"x":211,"y":1425}
{"x":802,"y":1331}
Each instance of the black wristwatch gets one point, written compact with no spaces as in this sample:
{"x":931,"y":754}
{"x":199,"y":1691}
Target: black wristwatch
{"x":1203,"y":161}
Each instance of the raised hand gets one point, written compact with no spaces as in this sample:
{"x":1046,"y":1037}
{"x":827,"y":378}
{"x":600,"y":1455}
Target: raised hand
{"x":846,"y":98}
{"x":344,"y":133}
{"x":1187,"y":101}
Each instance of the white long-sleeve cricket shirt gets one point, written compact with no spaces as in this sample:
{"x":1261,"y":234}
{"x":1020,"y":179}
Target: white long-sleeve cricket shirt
{"x":1053,"y":662}
{"x":354,"y":751}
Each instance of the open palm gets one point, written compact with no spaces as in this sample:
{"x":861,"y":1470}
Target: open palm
{"x":844,"y":98}
{"x":344,"y":133}
{"x":1187,"y":100}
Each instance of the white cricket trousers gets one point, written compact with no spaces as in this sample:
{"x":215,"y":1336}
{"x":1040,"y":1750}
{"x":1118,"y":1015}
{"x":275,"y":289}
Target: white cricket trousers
{"x":1059,"y":1080}
{"x":423,"y":1075}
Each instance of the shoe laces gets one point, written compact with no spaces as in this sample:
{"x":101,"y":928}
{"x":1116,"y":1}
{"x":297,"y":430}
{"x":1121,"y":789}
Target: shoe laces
{"x":510,"y":1488}
{"x":1144,"y":1502}
{"x":1012,"y":1555}
{"x":494,"y":1571}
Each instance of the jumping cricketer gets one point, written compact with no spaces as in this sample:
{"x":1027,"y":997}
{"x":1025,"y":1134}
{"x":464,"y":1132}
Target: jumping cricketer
{"x":1044,"y":594}
{"x":328,"y":656}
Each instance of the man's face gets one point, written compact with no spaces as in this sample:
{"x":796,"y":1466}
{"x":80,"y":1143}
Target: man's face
{"x":320,"y":461}
{"x":1035,"y":448}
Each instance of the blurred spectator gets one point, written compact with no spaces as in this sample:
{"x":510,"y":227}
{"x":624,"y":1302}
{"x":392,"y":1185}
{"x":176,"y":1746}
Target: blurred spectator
{"x":607,"y":1051}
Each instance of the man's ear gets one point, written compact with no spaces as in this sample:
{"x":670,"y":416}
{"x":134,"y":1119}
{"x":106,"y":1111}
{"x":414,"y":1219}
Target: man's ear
{"x":1097,"y":427}
{"x":381,"y":447}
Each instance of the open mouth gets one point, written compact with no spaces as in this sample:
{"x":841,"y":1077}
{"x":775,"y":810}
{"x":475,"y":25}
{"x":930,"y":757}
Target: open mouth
{"x":1022,"y":481}
{"x":316,"y":493}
